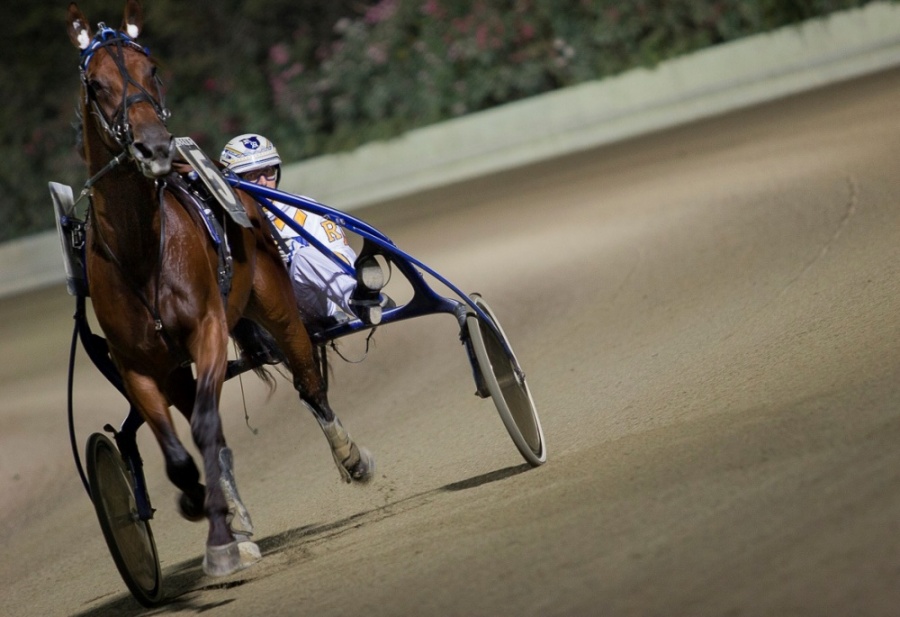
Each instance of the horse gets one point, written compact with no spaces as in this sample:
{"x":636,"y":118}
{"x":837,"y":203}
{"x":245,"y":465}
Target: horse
{"x":154,"y":279}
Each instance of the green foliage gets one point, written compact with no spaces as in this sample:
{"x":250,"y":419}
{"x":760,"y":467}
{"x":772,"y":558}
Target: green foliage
{"x":321,"y":77}
{"x":407,"y":63}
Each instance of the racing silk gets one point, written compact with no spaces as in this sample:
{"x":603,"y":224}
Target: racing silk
{"x":327,"y":232}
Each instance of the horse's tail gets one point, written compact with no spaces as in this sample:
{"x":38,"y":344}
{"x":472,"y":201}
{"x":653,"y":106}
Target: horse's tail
{"x":258,"y":348}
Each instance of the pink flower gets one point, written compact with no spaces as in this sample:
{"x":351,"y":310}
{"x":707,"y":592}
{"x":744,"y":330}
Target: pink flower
{"x":527,"y":32}
{"x":462,"y":25}
{"x":382,"y":11}
{"x":481,"y":36}
{"x":433,"y":8}
{"x":279,"y":54}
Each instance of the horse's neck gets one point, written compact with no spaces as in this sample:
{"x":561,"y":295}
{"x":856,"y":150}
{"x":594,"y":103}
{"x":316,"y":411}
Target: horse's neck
{"x":124,"y":209}
{"x":126,"y":216}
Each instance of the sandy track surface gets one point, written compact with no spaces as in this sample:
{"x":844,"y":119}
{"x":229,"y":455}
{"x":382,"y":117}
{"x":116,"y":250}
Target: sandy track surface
{"x":709,"y":321}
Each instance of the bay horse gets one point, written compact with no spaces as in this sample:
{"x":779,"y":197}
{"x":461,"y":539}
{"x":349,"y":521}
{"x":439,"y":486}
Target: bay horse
{"x":154,"y":280}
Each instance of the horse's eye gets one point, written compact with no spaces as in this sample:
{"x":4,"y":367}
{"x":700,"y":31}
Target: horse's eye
{"x":95,"y":85}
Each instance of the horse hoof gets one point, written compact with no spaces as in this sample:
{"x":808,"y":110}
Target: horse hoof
{"x":190,"y":508}
{"x":222,"y":560}
{"x":364,"y":470}
{"x":249,"y":550}
{"x":355,"y":464}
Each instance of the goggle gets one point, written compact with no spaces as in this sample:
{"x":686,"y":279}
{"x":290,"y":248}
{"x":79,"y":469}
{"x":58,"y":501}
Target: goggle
{"x":269,"y":173}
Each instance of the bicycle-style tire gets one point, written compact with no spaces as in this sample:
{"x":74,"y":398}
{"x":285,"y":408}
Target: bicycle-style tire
{"x":506,"y":383}
{"x":130,"y":539}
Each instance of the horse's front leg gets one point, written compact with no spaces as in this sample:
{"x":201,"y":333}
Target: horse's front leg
{"x":182,"y":389}
{"x":153,"y":405}
{"x":223,"y":550}
{"x":238,"y":516}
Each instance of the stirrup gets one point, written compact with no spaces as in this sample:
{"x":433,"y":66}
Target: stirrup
{"x":369,"y":274}
{"x":369,"y":309}
{"x":366,"y":307}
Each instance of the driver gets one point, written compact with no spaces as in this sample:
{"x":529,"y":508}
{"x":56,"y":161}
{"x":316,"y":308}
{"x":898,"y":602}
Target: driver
{"x":324,"y":292}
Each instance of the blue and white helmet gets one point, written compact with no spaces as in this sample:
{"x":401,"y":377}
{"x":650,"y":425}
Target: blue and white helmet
{"x":248,"y":152}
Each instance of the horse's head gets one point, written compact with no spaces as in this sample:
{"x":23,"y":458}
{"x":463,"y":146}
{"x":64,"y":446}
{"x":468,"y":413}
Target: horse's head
{"x":122,"y":92}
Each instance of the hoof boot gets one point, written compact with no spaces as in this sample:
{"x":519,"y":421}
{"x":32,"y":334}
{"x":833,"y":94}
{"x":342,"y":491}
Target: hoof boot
{"x":249,"y":550}
{"x":222,"y":560}
{"x":364,"y":470}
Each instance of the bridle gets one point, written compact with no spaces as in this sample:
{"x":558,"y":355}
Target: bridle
{"x":117,"y":127}
{"x":119,"y":130}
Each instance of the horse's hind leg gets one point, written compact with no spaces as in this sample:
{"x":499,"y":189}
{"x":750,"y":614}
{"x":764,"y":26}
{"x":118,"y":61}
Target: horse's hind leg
{"x":355,"y":463}
{"x":277,"y":313}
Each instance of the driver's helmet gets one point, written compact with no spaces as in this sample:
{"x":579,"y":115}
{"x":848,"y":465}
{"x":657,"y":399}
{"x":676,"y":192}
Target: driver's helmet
{"x":248,"y":152}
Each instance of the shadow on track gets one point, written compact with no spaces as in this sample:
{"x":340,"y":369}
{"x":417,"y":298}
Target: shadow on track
{"x":184,"y":584}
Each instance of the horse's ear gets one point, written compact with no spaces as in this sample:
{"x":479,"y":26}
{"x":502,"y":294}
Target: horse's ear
{"x":134,"y":18}
{"x":78,"y":27}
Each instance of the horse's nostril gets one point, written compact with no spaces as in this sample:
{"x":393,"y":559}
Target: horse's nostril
{"x":155,"y":151}
{"x":143,"y":151}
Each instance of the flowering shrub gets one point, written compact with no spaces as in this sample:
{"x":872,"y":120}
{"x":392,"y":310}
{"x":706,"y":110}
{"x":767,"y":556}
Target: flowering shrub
{"x":402,"y":64}
{"x":321,"y":77}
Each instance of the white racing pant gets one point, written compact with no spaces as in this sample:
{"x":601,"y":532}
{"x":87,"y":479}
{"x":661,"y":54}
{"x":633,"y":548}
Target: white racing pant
{"x":320,"y":286}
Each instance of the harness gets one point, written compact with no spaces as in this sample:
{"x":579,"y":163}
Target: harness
{"x":195,"y":203}
{"x":120,"y":131}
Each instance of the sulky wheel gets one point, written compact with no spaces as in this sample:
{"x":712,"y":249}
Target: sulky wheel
{"x":506,"y":383}
{"x":129,"y":538}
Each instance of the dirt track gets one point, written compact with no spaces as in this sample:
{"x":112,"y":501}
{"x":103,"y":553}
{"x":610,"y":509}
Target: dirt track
{"x":709,"y":319}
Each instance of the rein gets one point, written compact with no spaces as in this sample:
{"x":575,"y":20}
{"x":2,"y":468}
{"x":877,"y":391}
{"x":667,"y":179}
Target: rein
{"x":86,"y":189}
